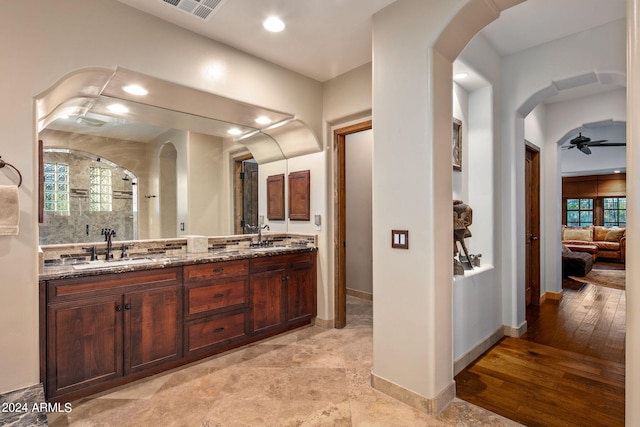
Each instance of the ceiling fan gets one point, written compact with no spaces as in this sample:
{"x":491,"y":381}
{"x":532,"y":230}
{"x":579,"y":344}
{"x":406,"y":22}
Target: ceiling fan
{"x":584,"y":142}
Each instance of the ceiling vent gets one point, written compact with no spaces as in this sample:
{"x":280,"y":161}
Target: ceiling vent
{"x":202,"y":9}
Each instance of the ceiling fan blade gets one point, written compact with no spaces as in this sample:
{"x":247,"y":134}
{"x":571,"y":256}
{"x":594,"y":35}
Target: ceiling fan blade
{"x":585,"y":149}
{"x":611,"y":144}
{"x":568,"y":147}
{"x":592,"y":143}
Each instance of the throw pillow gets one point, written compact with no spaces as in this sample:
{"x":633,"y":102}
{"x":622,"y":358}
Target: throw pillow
{"x":565,"y":249}
{"x":600,"y":233}
{"x":614,"y":234}
{"x":583,"y":234}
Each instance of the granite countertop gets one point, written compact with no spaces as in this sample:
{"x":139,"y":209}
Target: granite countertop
{"x":93,"y":268}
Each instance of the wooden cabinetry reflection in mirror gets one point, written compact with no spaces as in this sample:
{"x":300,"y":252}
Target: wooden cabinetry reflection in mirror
{"x":300,"y":195}
{"x":275,"y":197}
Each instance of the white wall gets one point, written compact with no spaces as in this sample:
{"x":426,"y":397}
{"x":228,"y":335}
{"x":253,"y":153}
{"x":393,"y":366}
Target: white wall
{"x":476,"y":295}
{"x":207,"y":211}
{"x":54,"y":41}
{"x":412,"y":162}
{"x":359,"y":225}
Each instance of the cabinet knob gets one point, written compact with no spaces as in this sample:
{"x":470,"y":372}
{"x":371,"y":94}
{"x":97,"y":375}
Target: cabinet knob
{"x":216,"y":296}
{"x":118,"y":308}
{"x":127,"y":306}
{"x":285,"y":278}
{"x":215,"y":331}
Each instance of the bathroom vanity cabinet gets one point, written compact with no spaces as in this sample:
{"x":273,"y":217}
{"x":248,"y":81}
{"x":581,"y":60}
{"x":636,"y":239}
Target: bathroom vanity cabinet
{"x":282,"y":291}
{"x":104,"y":330}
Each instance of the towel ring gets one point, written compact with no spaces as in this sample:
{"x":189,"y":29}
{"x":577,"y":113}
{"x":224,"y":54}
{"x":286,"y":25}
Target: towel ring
{"x":3,"y":164}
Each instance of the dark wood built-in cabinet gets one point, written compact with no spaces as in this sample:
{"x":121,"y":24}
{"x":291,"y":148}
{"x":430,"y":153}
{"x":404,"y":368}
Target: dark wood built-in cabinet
{"x":283,"y":291}
{"x":216,"y":305}
{"x":103,"y":328}
{"x":106,"y":330}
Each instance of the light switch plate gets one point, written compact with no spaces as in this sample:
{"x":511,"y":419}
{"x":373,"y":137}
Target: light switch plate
{"x":400,"y":239}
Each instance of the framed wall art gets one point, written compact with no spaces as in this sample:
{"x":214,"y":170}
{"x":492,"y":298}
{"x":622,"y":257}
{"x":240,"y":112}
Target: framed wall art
{"x":457,"y":145}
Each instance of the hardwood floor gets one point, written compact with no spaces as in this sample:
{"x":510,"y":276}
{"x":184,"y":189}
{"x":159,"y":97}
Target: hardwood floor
{"x":567,"y":370}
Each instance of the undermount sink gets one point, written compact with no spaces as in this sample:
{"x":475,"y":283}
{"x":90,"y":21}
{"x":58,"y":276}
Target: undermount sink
{"x":267,"y":248}
{"x":116,"y":263}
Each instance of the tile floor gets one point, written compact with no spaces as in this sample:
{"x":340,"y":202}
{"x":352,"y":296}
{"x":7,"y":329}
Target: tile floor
{"x":307,"y":377}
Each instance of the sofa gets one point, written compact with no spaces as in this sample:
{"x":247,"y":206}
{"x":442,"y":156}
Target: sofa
{"x":601,"y":242}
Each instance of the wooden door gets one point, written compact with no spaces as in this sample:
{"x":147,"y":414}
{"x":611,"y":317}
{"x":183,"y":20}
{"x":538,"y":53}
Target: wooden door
{"x":267,"y":299}
{"x":84,"y":343}
{"x":250,"y":193}
{"x":532,"y":227}
{"x":240,"y":193}
{"x":153,"y":328}
{"x":340,"y":218}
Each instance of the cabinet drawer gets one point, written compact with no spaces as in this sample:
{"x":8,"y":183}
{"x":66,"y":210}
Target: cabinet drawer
{"x":113,"y":283}
{"x":226,"y":294}
{"x":215,"y":270}
{"x":206,"y":333}
{"x":279,"y":262}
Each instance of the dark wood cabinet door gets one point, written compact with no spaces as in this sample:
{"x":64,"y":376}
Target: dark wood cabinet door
{"x":267,"y":299}
{"x":153,"y":328}
{"x":301,"y":296}
{"x":84,"y":343}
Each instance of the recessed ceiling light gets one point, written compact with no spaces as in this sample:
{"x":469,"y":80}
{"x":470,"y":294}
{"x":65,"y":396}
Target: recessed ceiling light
{"x":215,"y":71}
{"x":135,"y":90}
{"x":263,"y":120}
{"x":234,"y":131}
{"x":118,"y":108}
{"x":616,"y":171}
{"x":461,"y":76}
{"x":273,"y":24}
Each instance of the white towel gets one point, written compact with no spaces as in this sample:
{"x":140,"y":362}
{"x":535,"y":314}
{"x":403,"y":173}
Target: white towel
{"x":9,"y":210}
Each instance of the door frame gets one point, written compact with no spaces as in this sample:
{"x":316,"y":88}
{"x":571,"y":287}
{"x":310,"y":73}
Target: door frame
{"x":533,"y":193}
{"x":340,"y":220}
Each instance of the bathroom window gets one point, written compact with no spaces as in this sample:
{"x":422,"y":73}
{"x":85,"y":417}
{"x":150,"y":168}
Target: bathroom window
{"x":100,"y":189}
{"x":56,"y":187}
{"x":579,"y":212}
{"x":615,"y":211}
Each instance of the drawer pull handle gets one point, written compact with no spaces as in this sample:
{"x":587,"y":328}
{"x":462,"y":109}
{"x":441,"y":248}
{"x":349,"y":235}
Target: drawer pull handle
{"x":216,"y":296}
{"x":218,"y":270}
{"x":215,"y":331}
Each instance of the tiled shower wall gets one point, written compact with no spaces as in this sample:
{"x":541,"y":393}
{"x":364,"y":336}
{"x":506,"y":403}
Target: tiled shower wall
{"x":80,"y":225}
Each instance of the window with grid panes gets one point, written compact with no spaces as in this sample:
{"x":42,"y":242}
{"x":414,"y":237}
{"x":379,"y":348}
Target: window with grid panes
{"x":100,"y":189}
{"x":614,"y":211}
{"x":579,"y":212}
{"x":56,"y":187}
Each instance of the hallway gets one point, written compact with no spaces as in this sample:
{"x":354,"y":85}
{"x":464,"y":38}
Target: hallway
{"x":568,"y":369}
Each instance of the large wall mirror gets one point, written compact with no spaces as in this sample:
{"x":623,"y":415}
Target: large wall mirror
{"x":170,"y":154}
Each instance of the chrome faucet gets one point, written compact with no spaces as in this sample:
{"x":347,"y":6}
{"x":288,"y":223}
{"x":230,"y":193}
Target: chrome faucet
{"x":108,"y":234}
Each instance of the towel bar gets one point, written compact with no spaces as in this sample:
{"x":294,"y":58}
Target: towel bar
{"x":3,"y":164}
